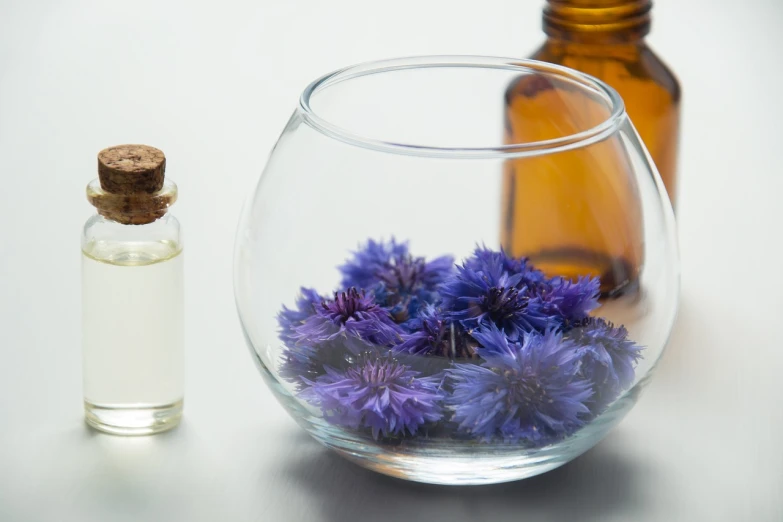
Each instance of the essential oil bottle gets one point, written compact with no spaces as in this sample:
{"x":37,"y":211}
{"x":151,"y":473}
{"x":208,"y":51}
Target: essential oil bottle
{"x":606,"y":39}
{"x":132,"y":296}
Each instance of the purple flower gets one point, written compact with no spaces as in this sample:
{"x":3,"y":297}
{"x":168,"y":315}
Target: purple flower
{"x":400,"y":281}
{"x":368,"y":262}
{"x":298,"y":361}
{"x":386,"y":354}
{"x":483,"y":256}
{"x":607,"y":357}
{"x":569,"y":301}
{"x":378,"y":393}
{"x":289,"y":319}
{"x":484,"y":292}
{"x":528,"y":391}
{"x":351,"y":315}
{"x":401,"y":308}
{"x":432,"y":334}
{"x":565,"y":301}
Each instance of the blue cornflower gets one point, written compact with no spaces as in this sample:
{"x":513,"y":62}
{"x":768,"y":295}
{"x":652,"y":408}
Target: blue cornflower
{"x":368,"y":262}
{"x":564,"y":300}
{"x":482,"y":256}
{"x":569,"y":301}
{"x":400,"y":281}
{"x":607,"y":357}
{"x":401,"y":308}
{"x":351,"y":315}
{"x":433,"y":334}
{"x":483,"y":291}
{"x":378,"y":393}
{"x":526,"y":391}
{"x":290,"y":319}
{"x":297,"y":359}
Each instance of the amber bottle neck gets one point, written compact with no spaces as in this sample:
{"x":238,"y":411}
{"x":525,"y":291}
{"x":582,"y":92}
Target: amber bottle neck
{"x":597,"y":21}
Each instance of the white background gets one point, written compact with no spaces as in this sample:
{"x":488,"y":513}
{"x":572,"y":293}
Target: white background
{"x":212,"y":84}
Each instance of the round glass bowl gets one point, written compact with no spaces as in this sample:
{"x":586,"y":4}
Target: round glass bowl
{"x":457,"y":270}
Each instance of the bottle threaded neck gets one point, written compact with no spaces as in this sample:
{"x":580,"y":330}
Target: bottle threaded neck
{"x":583,"y":19}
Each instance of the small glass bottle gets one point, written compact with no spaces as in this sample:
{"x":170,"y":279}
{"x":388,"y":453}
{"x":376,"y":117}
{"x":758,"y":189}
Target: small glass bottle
{"x":132,"y":296}
{"x":603,"y":38}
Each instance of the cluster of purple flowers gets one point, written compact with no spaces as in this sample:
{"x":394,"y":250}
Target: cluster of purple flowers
{"x":492,"y":349}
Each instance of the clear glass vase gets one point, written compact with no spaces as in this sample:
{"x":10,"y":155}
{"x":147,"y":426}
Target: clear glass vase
{"x":389,"y":308}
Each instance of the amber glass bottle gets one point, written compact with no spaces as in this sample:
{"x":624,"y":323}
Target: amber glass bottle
{"x":603,"y":38}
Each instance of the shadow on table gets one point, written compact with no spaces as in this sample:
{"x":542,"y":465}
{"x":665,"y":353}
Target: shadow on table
{"x":598,"y":484}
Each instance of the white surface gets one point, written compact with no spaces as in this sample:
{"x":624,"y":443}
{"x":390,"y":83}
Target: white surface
{"x":212,"y":84}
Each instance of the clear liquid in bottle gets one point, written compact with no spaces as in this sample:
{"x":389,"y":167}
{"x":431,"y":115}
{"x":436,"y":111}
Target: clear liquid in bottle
{"x":133,"y":336}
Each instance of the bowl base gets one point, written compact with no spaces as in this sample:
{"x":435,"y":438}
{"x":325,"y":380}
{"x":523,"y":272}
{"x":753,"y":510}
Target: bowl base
{"x":451,"y":462}
{"x":459,"y":463}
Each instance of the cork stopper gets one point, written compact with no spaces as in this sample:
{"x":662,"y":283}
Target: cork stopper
{"x":131,"y":187}
{"x":131,"y":169}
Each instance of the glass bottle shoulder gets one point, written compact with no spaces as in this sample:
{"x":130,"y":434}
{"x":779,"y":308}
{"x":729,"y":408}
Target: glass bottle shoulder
{"x":616,"y":64}
{"x":110,"y":242}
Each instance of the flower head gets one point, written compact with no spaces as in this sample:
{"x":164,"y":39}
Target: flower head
{"x":563,"y":300}
{"x":528,"y":391}
{"x":400,"y":281}
{"x":290,"y":319}
{"x":432,"y":334}
{"x":298,"y":361}
{"x":569,"y":301}
{"x":483,"y":256}
{"x":607,"y":357}
{"x":484,"y":292}
{"x":363,"y":270}
{"x":353,"y":313}
{"x":402,"y":309}
{"x":378,"y":393}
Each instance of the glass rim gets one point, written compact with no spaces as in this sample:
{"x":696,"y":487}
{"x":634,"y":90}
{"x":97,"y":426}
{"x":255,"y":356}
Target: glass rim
{"x":580,"y":139}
